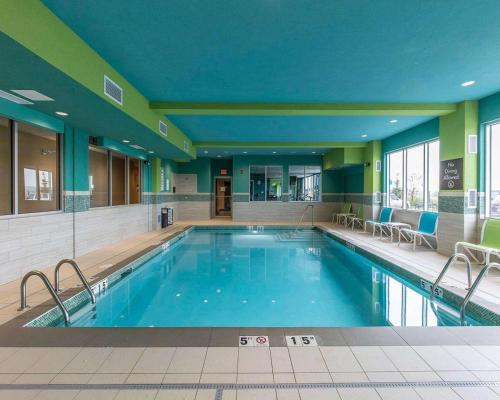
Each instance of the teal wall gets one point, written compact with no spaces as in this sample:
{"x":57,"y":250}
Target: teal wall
{"x":76,"y":159}
{"x":202,"y":168}
{"x":26,"y":114}
{"x":170,"y":167}
{"x":353,"y":179}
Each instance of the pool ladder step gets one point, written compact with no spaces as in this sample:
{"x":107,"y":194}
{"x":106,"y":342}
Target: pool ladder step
{"x":54,"y":290}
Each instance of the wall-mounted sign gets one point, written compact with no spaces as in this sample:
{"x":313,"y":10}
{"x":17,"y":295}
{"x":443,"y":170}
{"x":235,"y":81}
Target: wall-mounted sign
{"x":242,"y":171}
{"x":223,"y":171}
{"x":451,"y":177}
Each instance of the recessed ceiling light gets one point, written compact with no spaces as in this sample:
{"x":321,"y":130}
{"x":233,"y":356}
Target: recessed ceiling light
{"x":313,"y":152}
{"x":125,"y":141}
{"x":245,"y":152}
{"x":393,"y":121}
{"x":364,"y":135}
{"x":151,"y":152}
{"x":206,"y":152}
{"x":274,"y":152}
{"x":468,"y":83}
{"x":62,"y":113}
{"x":218,"y":155}
{"x":294,"y":152}
{"x":14,"y":99}
{"x":32,"y":95}
{"x":137,"y":147}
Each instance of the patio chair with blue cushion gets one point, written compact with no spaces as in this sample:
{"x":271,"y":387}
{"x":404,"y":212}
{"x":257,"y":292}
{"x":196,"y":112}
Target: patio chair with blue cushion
{"x":384,"y":219}
{"x":490,"y":242}
{"x":427,"y":229}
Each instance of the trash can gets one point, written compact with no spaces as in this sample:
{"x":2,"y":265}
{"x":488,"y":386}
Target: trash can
{"x":167,"y":216}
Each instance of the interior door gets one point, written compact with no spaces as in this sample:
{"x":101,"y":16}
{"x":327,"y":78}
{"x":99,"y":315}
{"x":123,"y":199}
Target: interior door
{"x":223,"y":197}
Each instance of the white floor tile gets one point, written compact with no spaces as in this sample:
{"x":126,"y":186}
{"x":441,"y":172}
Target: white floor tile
{"x":313,"y":377}
{"x":108,"y":378}
{"x":358,"y":394}
{"x":287,"y":394}
{"x":405,"y":358}
{"x":255,"y":378}
{"x":18,"y":394}
{"x":257,"y":359}
{"x":205,"y":394}
{"x":88,"y":360}
{"x":340,"y":359}
{"x":372,"y":359}
{"x":139,"y":394}
{"x":476,"y":393}
{"x":54,"y":360}
{"x":318,"y":394}
{"x":457,"y":376}
{"x":229,"y":395}
{"x":470,"y":358}
{"x":284,"y":378}
{"x":171,"y":394}
{"x":307,"y":359}
{"x":385,"y":376}
{"x":424,"y":376}
{"x":96,"y":394}
{"x":434,"y":393}
{"x":181,"y":378}
{"x":71,"y":379}
{"x":121,"y":360}
{"x":57,"y":395}
{"x":22,"y":359}
{"x":490,"y":352}
{"x":347,"y":377}
{"x":257,"y":394}
{"x":221,"y":360}
{"x":487,"y":375}
{"x":145,"y":378}
{"x":154,"y":360}
{"x":188,"y":360}
{"x":398,"y":394}
{"x":34,"y":379}
{"x":218,"y":378}
{"x":438,"y":358}
{"x":281,"y":360}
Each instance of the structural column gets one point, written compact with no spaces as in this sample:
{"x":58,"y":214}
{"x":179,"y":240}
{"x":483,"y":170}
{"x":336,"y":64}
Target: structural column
{"x":372,"y":198}
{"x":458,"y":221}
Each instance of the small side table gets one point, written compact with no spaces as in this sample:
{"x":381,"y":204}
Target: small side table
{"x":397,"y":226}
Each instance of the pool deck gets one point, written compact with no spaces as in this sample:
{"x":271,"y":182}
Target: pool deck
{"x":150,"y":363}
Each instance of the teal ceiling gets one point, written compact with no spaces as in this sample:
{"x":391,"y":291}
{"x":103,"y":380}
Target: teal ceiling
{"x":295,"y":51}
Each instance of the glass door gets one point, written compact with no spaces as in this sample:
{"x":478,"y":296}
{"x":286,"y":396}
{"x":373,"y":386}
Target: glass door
{"x":223,"y":198}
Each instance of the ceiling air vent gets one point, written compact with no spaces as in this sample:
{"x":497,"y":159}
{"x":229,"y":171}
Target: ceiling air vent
{"x":163,"y":128}
{"x":472,"y":144}
{"x":137,"y":147}
{"x":186,"y":146}
{"x":472,"y":198}
{"x":113,"y":91}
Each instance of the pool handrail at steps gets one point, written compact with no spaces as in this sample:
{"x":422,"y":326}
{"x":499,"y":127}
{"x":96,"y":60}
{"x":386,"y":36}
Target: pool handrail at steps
{"x":302,"y":217}
{"x":49,"y":287}
{"x":451,"y":261}
{"x":78,"y":272}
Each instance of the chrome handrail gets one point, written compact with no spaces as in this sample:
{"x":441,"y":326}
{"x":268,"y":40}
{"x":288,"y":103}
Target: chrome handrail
{"x":450,"y":262}
{"x":302,"y":217}
{"x":78,"y":272}
{"x":474,"y":286}
{"x":49,"y":287}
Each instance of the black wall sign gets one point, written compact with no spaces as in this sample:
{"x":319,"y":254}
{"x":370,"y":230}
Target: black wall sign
{"x":451,"y":177}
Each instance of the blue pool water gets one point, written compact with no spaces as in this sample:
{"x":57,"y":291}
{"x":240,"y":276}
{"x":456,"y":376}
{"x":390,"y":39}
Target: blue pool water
{"x":221,"y":278}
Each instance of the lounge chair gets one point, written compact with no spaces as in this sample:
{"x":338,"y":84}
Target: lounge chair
{"x":384,"y":218}
{"x":345,"y":212}
{"x":490,"y":242}
{"x":356,"y":219}
{"x":427,"y":229}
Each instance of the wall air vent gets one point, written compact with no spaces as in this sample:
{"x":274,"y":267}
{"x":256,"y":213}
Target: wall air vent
{"x":378,"y":197}
{"x":378,"y":166}
{"x":113,"y":91}
{"x":472,"y":198}
{"x":472,"y":144}
{"x":186,"y":146}
{"x":163,"y":128}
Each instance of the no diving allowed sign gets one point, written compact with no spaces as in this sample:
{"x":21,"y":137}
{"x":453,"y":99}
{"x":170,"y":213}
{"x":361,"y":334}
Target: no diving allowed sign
{"x":254,"y":341}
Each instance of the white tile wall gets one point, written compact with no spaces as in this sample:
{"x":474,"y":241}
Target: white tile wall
{"x":281,"y":211}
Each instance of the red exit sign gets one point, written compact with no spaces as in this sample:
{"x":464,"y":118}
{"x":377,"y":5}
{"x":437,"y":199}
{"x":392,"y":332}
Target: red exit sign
{"x":223,"y":171}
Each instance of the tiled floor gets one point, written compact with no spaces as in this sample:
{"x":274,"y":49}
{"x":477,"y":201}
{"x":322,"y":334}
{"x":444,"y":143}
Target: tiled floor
{"x":340,"y":366}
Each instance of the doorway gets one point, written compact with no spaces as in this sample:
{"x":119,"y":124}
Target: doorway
{"x":223,"y":197}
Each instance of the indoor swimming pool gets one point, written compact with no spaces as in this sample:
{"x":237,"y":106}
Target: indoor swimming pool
{"x":261,"y":278}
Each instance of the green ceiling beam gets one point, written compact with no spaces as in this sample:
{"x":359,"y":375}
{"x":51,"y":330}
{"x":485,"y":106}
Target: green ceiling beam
{"x":303,"y":109}
{"x":274,"y":145}
{"x":34,"y":26}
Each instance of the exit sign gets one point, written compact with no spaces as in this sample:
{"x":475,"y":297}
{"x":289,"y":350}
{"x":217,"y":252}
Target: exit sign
{"x":223,"y":171}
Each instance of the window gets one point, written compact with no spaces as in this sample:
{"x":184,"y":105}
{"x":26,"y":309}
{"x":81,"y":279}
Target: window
{"x":413,"y":177}
{"x":304,"y":183}
{"x":5,"y":167}
{"x":114,"y":179}
{"x":493,"y":170}
{"x":38,"y":169}
{"x":118,"y":179}
{"x":134,"y":180}
{"x":98,"y":177}
{"x":265,"y":183}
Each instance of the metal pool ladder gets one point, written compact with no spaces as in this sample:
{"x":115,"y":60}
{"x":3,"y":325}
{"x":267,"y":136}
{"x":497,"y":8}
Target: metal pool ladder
{"x":452,"y":260}
{"x":78,"y":272}
{"x":302,"y":217}
{"x":49,"y":287}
